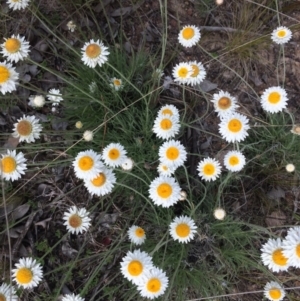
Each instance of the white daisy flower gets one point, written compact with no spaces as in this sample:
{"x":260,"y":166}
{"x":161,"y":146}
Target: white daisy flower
{"x":170,"y":110}
{"x":15,"y":48}
{"x":219,"y":213}
{"x":127,"y":164}
{"x":164,"y":191}
{"x":183,"y":195}
{"x":154,"y":283}
{"x":28,"y":273}
{"x":273,"y":291}
{"x":290,"y":167}
{"x":198,"y":75}
{"x":77,"y":220}
{"x":116,"y":83}
{"x":224,"y":103}
{"x":8,"y":293}
{"x":71,"y":26}
{"x":54,"y":96}
{"x":93,"y":53}
{"x":189,"y":36}
{"x":291,"y":247}
{"x":165,"y":170}
{"x":281,"y":35}
{"x":36,"y":101}
{"x":72,"y":297}
{"x":172,"y":153}
{"x":12,"y":165}
{"x":114,"y":155}
{"x":274,"y":99}
{"x":102,"y":184}
{"x":27,"y":129}
{"x":135,"y":264}
{"x":166,"y":126}
{"x":209,"y":169}
{"x":183,"y":229}
{"x":233,"y":127}
{"x":88,"y":135}
{"x":234,"y":161}
{"x":8,"y":77}
{"x":272,"y":255}
{"x":182,"y":73}
{"x":87,"y":165}
{"x":17,"y":4}
{"x":136,"y":234}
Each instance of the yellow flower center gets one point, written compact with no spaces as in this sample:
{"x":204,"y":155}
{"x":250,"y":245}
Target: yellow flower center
{"x":188,"y":33}
{"x":100,"y":180}
{"x":12,"y":45}
{"x":24,"y":275}
{"x":224,"y":103}
{"x":24,"y":128}
{"x":86,"y":163}
{"x":234,"y":125}
{"x":164,"y":190}
{"x":279,"y":258}
{"x":298,"y":250}
{"x":172,"y":153}
{"x":93,"y":51}
{"x":4,"y":74}
{"x":281,"y":33}
{"x":183,"y":230}
{"x":139,"y":232}
{"x":196,"y":71}
{"x":166,"y":124}
{"x":183,"y":72}
{"x":209,"y":169}
{"x":167,"y":111}
{"x":165,"y":167}
{"x":9,"y":164}
{"x":75,"y":221}
{"x":117,"y":82}
{"x":154,"y":285}
{"x":234,"y":160}
{"x":135,"y":268}
{"x":2,"y":297}
{"x":275,"y":293}
{"x":114,"y":154}
{"x":274,"y":97}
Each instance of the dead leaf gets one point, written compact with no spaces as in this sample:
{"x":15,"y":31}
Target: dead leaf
{"x":277,"y":218}
{"x":276,"y":193}
{"x":20,"y":211}
{"x":207,"y":86}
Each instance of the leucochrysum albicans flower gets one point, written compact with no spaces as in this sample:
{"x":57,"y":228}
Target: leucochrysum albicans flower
{"x":234,"y":127}
{"x":114,"y":154}
{"x":36,"y":101}
{"x":28,"y":273}
{"x":219,"y":213}
{"x":272,"y":255}
{"x":291,"y":247}
{"x":12,"y":165}
{"x":189,"y":36}
{"x":17,"y":4}
{"x":116,"y":83}
{"x":127,"y":164}
{"x":274,"y":99}
{"x":166,"y":126}
{"x":273,"y":291}
{"x":165,"y":170}
{"x":54,"y":96}
{"x":135,"y":264}
{"x":8,"y":293}
{"x":88,"y":135}
{"x":136,"y":234}
{"x":8,"y":77}
{"x":281,"y":35}
{"x":15,"y":48}
{"x":290,"y":167}
{"x":224,"y":103}
{"x":72,"y":297}
{"x":71,"y":26}
{"x":27,"y":129}
{"x":77,"y":220}
{"x":153,"y":284}
{"x":172,"y":153}
{"x":182,"y":73}
{"x":102,"y":184}
{"x":93,"y":53}
{"x":183,"y":229}
{"x":198,"y":74}
{"x":234,"y":161}
{"x":87,"y":165}
{"x":168,"y":110}
{"x":209,"y":169}
{"x":164,"y":191}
